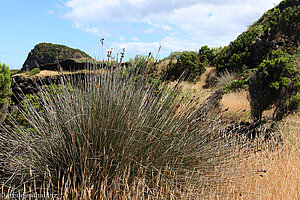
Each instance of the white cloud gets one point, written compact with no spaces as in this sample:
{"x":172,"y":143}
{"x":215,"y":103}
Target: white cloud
{"x":91,"y":29}
{"x":13,"y":52}
{"x":212,"y":22}
{"x":215,"y":22}
{"x":137,"y":47}
{"x":50,"y":12}
{"x":173,"y":44}
{"x":157,"y":25}
{"x":95,"y":10}
{"x":121,"y":9}
{"x":122,"y":38}
{"x":168,"y":44}
{"x":136,"y":39}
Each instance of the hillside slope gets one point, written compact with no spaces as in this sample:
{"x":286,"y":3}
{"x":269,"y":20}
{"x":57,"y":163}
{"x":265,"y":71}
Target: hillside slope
{"x":278,"y":28}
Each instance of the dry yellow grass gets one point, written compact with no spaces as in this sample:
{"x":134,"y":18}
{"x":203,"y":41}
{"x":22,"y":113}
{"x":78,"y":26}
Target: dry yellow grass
{"x":51,"y":73}
{"x":42,"y":73}
{"x":282,"y":177}
{"x":196,"y":89}
{"x":236,"y":101}
{"x":48,"y":73}
{"x":162,"y":65}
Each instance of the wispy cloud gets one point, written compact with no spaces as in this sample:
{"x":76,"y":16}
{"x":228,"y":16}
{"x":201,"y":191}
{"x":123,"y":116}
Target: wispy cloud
{"x":136,"y":39}
{"x":91,"y":29}
{"x":175,"y":24}
{"x":168,"y":44}
{"x":50,"y":12}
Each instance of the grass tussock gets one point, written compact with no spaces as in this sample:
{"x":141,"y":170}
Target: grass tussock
{"x":109,"y":135}
{"x":225,"y":77}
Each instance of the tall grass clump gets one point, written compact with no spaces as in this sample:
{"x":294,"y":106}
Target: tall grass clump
{"x":224,"y":78}
{"x":102,"y":133}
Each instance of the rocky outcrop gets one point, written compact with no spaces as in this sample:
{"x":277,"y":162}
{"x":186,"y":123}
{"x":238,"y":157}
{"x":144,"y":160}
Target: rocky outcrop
{"x":69,"y":65}
{"x":22,"y":85}
{"x":49,"y":56}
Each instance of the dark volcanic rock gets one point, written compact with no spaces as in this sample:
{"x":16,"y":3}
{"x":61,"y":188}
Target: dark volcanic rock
{"x":48,"y":56}
{"x":22,"y":86}
{"x":69,"y":65}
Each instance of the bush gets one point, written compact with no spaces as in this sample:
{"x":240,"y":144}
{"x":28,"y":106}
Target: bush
{"x":294,"y":103}
{"x":5,"y":84}
{"x":237,"y":56}
{"x":188,"y":64}
{"x":276,"y":29}
{"x":206,"y":56}
{"x":274,"y":83}
{"x":35,"y":71}
{"x":110,"y":129}
{"x":174,"y":55}
{"x":235,"y":85}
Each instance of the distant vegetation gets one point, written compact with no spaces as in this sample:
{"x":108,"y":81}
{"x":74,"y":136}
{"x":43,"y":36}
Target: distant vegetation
{"x":61,"y":52}
{"x":35,"y":71}
{"x":277,"y":29}
{"x":188,"y":65}
{"x":5,"y":84}
{"x":175,"y":54}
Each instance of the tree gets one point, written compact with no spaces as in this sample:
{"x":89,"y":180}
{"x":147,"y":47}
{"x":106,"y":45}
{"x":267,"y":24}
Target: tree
{"x":277,"y":82}
{"x":205,"y":55}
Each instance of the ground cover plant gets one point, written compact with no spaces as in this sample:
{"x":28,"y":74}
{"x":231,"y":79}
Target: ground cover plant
{"x":108,"y":134}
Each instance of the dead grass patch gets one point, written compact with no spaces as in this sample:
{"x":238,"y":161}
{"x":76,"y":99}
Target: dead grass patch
{"x":281,"y":179}
{"x":236,"y":101}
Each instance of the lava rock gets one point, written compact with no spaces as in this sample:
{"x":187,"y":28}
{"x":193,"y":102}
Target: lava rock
{"x":47,"y":54}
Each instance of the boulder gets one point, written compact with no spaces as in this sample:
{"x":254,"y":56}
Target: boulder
{"x":47,"y":54}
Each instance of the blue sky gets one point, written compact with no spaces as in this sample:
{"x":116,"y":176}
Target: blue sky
{"x":139,"y":26}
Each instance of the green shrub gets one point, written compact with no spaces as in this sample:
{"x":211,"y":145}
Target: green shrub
{"x":62,"y":52}
{"x":5,"y":84}
{"x":206,"y":55}
{"x":188,"y":64}
{"x":18,"y":116}
{"x":35,"y":71}
{"x":252,"y":46}
{"x":274,"y":83}
{"x":235,"y":85}
{"x":174,"y":55}
{"x":237,"y":56}
{"x":110,"y":127}
{"x":294,"y":103}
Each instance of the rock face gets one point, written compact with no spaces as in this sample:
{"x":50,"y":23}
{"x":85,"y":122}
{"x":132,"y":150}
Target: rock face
{"x":69,"y":65}
{"x":47,"y":54}
{"x":23,"y":85}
